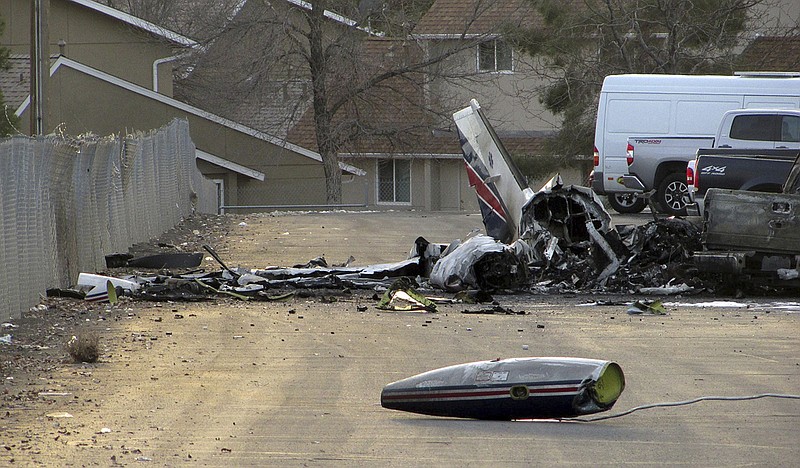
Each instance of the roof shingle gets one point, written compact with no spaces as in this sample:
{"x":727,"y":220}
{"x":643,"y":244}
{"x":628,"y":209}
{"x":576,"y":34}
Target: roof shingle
{"x":15,"y":81}
{"x":772,"y":54}
{"x":455,"y":17}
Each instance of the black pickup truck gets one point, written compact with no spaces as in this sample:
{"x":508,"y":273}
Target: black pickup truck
{"x":757,"y":170}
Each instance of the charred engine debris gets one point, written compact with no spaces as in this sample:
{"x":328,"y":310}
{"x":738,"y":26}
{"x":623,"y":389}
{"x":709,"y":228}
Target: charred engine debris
{"x":573,"y":246}
{"x":567,"y":244}
{"x":626,"y":259}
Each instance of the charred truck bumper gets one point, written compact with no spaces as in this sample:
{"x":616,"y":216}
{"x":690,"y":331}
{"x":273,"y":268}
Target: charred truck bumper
{"x":597,"y":183}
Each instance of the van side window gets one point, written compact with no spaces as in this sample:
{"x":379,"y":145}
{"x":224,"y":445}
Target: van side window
{"x":790,"y":128}
{"x":756,"y":127}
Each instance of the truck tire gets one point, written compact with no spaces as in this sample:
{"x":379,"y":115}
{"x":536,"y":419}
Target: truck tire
{"x":673,"y":194}
{"x":626,"y":202}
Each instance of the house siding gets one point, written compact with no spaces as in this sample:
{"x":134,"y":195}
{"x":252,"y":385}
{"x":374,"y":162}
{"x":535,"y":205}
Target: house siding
{"x":511,"y":99}
{"x":436,"y":185}
{"x":92,"y":38}
{"x":83,"y":103}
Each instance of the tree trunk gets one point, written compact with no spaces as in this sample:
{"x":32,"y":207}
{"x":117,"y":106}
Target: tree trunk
{"x":322,"y":115}
{"x":333,"y":178}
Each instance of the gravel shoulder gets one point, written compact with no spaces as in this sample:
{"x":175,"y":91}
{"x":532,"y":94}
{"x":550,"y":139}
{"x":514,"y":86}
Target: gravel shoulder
{"x":297,"y":383}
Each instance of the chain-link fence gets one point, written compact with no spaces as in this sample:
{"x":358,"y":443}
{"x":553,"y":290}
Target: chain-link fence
{"x":66,"y":203}
{"x":299,"y":191}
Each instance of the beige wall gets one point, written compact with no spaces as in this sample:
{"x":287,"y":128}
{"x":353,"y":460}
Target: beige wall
{"x":436,"y":185}
{"x":780,"y":16}
{"x":510,"y":99}
{"x":92,"y":38}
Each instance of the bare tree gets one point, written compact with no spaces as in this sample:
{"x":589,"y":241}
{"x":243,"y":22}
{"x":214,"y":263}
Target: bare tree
{"x":350,"y":73}
{"x":324,"y":64}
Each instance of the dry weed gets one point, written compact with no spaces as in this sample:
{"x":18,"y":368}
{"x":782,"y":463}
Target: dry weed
{"x":85,"y":347}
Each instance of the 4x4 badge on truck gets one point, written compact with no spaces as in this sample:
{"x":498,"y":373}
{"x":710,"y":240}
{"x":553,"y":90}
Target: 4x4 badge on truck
{"x":713,"y":170}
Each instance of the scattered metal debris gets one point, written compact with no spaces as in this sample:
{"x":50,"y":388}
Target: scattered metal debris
{"x":668,"y":289}
{"x":496,"y":309}
{"x":155,"y":261}
{"x":654,"y":259}
{"x":66,"y":292}
{"x":647,"y":308}
{"x":473,"y":296}
{"x":480,"y":262}
{"x":168,"y":260}
{"x":627,"y":259}
{"x":104,"y":288}
{"x":567,"y":244}
{"x":402,"y":296}
{"x":117,"y":260}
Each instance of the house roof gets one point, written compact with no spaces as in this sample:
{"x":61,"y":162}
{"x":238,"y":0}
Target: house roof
{"x":65,"y":62}
{"x":215,"y":14}
{"x":768,"y":53}
{"x":136,"y":22}
{"x":288,"y":101}
{"x":387,"y":113}
{"x":453,"y":18}
{"x":445,"y":145}
{"x":230,"y":165}
{"x":15,"y":81}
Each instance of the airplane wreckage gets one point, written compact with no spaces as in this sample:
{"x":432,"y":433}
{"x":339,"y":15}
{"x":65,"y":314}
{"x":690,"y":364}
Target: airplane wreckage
{"x":559,"y":239}
{"x":507,"y":389}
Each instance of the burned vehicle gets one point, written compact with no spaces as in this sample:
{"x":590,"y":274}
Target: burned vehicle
{"x":753,"y":235}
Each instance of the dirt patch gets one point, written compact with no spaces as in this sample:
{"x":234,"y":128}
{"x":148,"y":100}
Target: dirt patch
{"x":35,"y":357}
{"x":30,"y":363}
{"x":296,"y":382}
{"x":37,"y":343}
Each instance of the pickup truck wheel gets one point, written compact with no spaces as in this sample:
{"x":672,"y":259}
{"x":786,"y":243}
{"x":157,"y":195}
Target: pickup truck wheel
{"x":626,"y":202}
{"x":673,"y":194}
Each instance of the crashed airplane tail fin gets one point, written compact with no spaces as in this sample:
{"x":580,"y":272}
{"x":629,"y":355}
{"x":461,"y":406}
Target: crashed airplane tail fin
{"x":500,"y":186}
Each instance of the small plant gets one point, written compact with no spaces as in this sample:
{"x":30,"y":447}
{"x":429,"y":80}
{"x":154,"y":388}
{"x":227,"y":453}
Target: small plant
{"x":84,"y":347}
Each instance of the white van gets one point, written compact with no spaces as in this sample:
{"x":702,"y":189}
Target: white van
{"x":676,"y":105}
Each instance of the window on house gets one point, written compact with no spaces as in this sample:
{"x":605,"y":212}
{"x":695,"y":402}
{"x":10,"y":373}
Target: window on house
{"x":494,"y":55}
{"x":394,"y":181}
